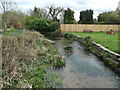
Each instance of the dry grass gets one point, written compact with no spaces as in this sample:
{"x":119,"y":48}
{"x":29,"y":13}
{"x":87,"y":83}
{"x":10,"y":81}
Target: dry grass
{"x":20,"y":55}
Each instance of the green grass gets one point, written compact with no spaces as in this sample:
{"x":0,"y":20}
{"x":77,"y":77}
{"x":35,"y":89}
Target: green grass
{"x":108,"y":41}
{"x":12,"y":32}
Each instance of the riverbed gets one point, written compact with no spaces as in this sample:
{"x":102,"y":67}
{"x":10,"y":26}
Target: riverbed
{"x":83,"y":69}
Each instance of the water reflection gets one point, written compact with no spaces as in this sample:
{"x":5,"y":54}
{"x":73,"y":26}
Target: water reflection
{"x":83,"y":69}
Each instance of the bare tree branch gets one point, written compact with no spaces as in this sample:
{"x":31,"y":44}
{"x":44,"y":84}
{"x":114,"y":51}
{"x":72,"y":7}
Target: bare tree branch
{"x":6,"y":5}
{"x":54,"y":11}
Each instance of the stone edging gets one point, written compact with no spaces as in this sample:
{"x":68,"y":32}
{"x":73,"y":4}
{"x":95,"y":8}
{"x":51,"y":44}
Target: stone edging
{"x":110,"y":58}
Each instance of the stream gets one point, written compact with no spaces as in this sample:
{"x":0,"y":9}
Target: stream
{"x":83,"y":69}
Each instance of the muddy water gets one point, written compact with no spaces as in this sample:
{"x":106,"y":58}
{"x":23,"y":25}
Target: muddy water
{"x":83,"y":69}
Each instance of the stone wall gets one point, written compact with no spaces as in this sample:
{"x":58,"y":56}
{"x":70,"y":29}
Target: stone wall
{"x":110,"y":58}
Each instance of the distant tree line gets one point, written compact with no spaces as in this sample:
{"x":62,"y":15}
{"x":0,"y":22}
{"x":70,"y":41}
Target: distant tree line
{"x":86,"y":17}
{"x":69,"y":16}
{"x":111,"y":17}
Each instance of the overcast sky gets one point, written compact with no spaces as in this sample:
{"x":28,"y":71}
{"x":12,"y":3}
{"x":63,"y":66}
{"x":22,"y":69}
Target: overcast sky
{"x":77,"y":5}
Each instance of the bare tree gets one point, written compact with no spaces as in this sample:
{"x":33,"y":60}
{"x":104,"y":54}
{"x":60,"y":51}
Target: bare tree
{"x":45,"y":13}
{"x":51,"y":12}
{"x":6,"y":5}
{"x":38,"y":12}
{"x":54,"y":12}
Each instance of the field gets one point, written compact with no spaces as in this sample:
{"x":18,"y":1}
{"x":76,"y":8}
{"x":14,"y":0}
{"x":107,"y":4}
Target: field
{"x":108,"y":41}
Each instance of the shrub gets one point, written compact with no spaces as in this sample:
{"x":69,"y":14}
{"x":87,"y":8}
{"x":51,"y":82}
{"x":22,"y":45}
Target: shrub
{"x":41,"y":24}
{"x":28,"y":22}
{"x":54,"y":26}
{"x":15,"y":23}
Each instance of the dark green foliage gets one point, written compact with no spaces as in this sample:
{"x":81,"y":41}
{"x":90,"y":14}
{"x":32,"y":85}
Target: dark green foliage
{"x":41,"y":24}
{"x":54,"y":26}
{"x":109,"y":17}
{"x":69,"y":16}
{"x":86,"y":17}
{"x":28,"y":22}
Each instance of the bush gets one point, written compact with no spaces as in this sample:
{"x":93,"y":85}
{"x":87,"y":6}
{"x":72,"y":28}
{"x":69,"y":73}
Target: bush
{"x":54,"y":26}
{"x":15,"y":23}
{"x":41,"y":24}
{"x":28,"y":22}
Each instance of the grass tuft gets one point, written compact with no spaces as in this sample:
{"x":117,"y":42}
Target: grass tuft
{"x":25,"y":59}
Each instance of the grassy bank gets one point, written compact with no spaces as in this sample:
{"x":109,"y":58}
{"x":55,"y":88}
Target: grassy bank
{"x":108,"y":41}
{"x":26,"y":56}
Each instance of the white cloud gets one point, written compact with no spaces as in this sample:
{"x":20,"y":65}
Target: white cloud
{"x":77,"y":5}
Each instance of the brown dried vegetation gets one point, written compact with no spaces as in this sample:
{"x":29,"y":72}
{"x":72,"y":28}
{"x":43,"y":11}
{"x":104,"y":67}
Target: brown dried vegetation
{"x":20,"y":55}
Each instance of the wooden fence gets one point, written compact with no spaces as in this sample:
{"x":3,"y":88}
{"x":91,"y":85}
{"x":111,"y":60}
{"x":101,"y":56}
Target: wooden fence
{"x":94,"y":28}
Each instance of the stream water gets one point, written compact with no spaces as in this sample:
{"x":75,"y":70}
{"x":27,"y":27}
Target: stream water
{"x":83,"y":69}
